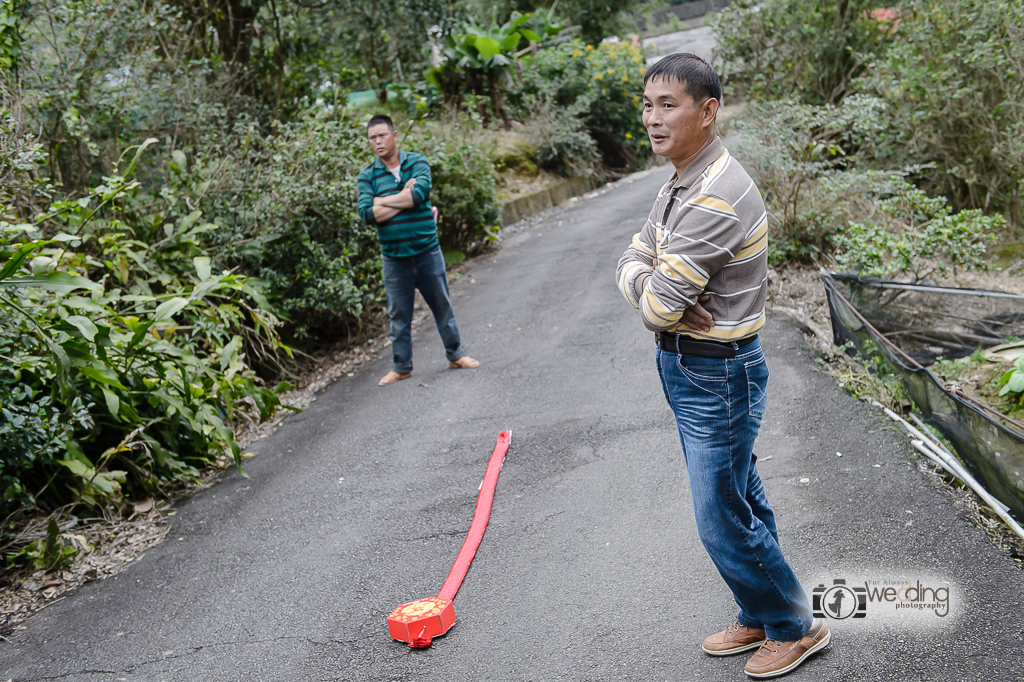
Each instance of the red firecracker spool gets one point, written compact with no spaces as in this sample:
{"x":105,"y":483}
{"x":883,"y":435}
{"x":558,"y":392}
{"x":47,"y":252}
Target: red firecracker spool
{"x":418,"y":622}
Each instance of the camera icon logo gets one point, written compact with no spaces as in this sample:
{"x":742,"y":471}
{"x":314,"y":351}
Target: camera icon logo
{"x":839,"y":601}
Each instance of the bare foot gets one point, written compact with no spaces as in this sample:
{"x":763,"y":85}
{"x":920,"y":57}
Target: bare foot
{"x":392,"y":377}
{"x":465,"y":362}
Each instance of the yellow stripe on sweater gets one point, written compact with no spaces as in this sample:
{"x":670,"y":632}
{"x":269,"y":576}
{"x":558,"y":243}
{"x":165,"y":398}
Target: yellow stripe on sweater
{"x":755,"y":242}
{"x":655,"y":310}
{"x":640,"y":246}
{"x":715,"y":170}
{"x":713,"y":203}
{"x":675,"y":266}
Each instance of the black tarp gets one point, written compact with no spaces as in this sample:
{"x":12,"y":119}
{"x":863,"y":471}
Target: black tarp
{"x":925,"y":322}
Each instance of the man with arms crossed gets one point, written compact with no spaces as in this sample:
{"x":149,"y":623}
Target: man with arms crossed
{"x":697,"y":272}
{"x":394,"y":195}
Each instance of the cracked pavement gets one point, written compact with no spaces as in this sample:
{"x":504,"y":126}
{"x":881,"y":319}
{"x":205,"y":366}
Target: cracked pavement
{"x":591,"y":568}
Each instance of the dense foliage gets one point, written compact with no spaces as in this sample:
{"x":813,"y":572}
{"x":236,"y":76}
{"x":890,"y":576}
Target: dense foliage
{"x":597,"y":19}
{"x":125,"y":359}
{"x":586,"y":101}
{"x":954,"y":82}
{"x":811,"y":50}
{"x":177,"y":186}
{"x":852,"y":102}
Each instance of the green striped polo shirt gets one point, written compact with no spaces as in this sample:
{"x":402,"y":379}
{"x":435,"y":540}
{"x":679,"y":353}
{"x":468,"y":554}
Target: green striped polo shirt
{"x":413,"y":230}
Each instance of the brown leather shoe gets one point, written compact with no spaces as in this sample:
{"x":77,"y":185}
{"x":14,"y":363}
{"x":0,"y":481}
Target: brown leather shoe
{"x":465,"y":362}
{"x":736,"y":639}
{"x":392,"y":377}
{"x":778,"y":658}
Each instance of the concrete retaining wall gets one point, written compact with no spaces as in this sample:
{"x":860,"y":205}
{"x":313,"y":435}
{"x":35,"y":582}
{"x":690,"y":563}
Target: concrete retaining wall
{"x":525,"y":206}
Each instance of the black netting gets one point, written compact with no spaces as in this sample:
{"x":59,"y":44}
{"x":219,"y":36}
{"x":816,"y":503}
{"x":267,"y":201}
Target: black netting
{"x":926,"y":322}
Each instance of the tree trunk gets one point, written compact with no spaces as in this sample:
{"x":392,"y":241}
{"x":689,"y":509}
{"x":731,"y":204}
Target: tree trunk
{"x":499,"y":108}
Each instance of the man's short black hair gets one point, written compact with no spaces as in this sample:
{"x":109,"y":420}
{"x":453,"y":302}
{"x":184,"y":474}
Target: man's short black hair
{"x":377,"y":119}
{"x":700,"y":81}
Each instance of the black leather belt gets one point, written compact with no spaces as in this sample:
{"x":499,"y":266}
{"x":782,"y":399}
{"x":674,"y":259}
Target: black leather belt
{"x":684,"y":345}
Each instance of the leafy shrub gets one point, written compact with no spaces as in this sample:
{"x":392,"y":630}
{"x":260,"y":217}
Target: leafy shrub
{"x":955,"y":87}
{"x":810,"y":50}
{"x":917,"y":235}
{"x":601,"y":87}
{"x":563,"y":142}
{"x":463,"y":184}
{"x":140,"y":347}
{"x":96,"y":77}
{"x":597,"y":20}
{"x":477,"y":58}
{"x":806,"y":159}
{"x":285,"y":206}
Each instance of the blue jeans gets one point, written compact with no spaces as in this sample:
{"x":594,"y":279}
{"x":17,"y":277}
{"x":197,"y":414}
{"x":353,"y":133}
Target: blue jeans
{"x":402,"y":276}
{"x":718,"y":405}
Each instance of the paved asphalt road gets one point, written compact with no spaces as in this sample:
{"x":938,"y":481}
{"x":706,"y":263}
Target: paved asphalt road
{"x":700,"y":41}
{"x":591,"y":568}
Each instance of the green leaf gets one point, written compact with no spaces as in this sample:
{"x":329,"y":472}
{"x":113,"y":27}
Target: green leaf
{"x":15,"y":261}
{"x":189,"y":220}
{"x":487,"y":47}
{"x":113,"y":402}
{"x":58,"y":281}
{"x":1016,"y":382}
{"x":511,"y":42}
{"x":106,"y":377}
{"x":180,"y":160}
{"x":81,"y":303}
{"x":84,"y":325}
{"x":202,"y":264}
{"x":76,"y":467}
{"x":169,"y":308}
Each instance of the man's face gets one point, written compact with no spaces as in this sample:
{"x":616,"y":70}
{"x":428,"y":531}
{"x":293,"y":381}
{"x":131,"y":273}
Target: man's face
{"x":383,"y":141}
{"x":677,"y":125}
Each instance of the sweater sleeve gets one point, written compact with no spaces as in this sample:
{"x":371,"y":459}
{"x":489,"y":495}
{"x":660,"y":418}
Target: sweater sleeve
{"x":365,"y":203}
{"x":637,"y":261}
{"x":424,"y":183}
{"x":689,"y":258}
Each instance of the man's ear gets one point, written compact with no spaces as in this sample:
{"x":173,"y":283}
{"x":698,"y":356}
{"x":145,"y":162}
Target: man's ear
{"x":710,"y":112}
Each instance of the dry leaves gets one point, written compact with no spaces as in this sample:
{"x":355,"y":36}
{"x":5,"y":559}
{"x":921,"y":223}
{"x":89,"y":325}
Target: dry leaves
{"x":105,"y":549}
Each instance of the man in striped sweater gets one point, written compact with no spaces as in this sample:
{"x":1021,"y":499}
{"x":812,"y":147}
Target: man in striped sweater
{"x":394,"y":195}
{"x":697,"y":272}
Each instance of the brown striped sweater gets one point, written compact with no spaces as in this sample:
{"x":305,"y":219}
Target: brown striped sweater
{"x":709,"y":231}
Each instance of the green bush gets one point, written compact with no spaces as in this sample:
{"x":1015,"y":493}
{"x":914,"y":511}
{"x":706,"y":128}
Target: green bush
{"x":954,"y":82}
{"x":464,"y":190}
{"x":912,"y":234}
{"x":285,"y":206}
{"x":600,"y":87}
{"x":125,"y":361}
{"x":807,"y":163}
{"x":810,"y":50}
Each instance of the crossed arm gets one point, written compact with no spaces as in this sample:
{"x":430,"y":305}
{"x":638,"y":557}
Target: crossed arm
{"x":695,"y":317}
{"x":386,"y":208}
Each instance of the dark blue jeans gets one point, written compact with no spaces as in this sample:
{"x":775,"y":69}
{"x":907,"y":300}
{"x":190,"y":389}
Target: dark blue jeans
{"x":718,"y":405}
{"x":402,"y":276}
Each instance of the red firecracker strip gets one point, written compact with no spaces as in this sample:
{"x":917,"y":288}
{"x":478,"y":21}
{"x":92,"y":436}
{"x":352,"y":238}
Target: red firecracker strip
{"x":418,"y":622}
